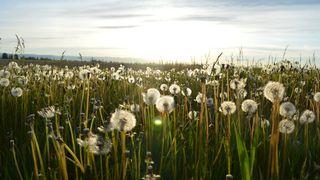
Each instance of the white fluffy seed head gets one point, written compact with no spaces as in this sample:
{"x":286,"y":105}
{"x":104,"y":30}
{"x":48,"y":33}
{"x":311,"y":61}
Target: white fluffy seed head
{"x":16,"y":92}
{"x":307,"y":117}
{"x":274,"y":91}
{"x":287,"y":109}
{"x":316,"y":97}
{"x":122,"y":120}
{"x":164,"y":87}
{"x":228,"y":107}
{"x":4,"y":82}
{"x":165,"y":104}
{"x":151,"y":96}
{"x":286,"y":126}
{"x":249,"y":106}
{"x":174,"y":89}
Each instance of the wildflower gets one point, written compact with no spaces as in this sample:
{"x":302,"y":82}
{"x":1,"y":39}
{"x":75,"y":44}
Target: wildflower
{"x":151,"y":96}
{"x":122,"y":120}
{"x":165,"y":104}
{"x":16,"y":92}
{"x":316,"y":97}
{"x":4,"y":82}
{"x":174,"y":89}
{"x":95,"y":144}
{"x":241,"y":93}
{"x":193,"y":115}
{"x":286,"y":126}
{"x":131,"y":79}
{"x":274,"y":91}
{"x":135,"y":108}
{"x":47,"y":112}
{"x":307,"y":117}
{"x":236,"y":84}
{"x":249,"y":106}
{"x":228,"y":107}
{"x":4,"y":74}
{"x":115,"y":76}
{"x":287,"y":109}
{"x":200,"y":98}
{"x":164,"y":87}
{"x":13,"y":65}
{"x":187,"y":92}
{"x":85,"y":74}
{"x":23,"y":80}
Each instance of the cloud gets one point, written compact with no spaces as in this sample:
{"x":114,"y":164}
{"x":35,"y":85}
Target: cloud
{"x":211,"y":18}
{"x":122,"y":16}
{"x":118,"y":27}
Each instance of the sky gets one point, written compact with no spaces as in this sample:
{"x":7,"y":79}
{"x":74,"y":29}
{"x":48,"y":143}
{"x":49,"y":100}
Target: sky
{"x":173,"y":30}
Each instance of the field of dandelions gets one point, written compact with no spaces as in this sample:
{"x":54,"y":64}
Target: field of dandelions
{"x":215,"y":122}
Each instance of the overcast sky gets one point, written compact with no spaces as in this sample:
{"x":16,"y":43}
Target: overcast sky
{"x":162,"y":29}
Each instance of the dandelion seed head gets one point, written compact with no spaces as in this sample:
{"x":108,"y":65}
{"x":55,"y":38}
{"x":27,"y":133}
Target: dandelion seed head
{"x":228,"y":107}
{"x":316,"y":97}
{"x":47,"y":112}
{"x":307,"y":117}
{"x":287,"y":110}
{"x":122,"y":120}
{"x":249,"y":106}
{"x":164,"y":87}
{"x":134,"y":107}
{"x":16,"y":92}
{"x":174,"y":89}
{"x":165,"y":104}
{"x":274,"y":91}
{"x":84,"y":74}
{"x":4,"y":74}
{"x":200,"y":98}
{"x":286,"y":126}
{"x":4,"y":82}
{"x":151,"y":96}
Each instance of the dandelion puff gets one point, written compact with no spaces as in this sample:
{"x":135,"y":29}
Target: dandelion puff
{"x":249,"y":106}
{"x":16,"y":92}
{"x":165,"y":104}
{"x":236,"y":84}
{"x":135,"y":108}
{"x":316,"y":97}
{"x":95,"y":144}
{"x":122,"y":120}
{"x":164,"y":87}
{"x":4,"y":74}
{"x":47,"y":112}
{"x":4,"y":82}
{"x":286,"y":126}
{"x":200,"y":98}
{"x":131,"y":79}
{"x":151,"y":96}
{"x":174,"y":89}
{"x":85,"y":74}
{"x":274,"y":91}
{"x":228,"y":107}
{"x":287,"y":109}
{"x":307,"y":117}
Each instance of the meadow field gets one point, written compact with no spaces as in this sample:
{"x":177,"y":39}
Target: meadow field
{"x":63,"y":120}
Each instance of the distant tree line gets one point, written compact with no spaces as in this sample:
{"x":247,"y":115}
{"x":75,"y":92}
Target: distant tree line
{"x":10,"y":56}
{"x":17,"y":56}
